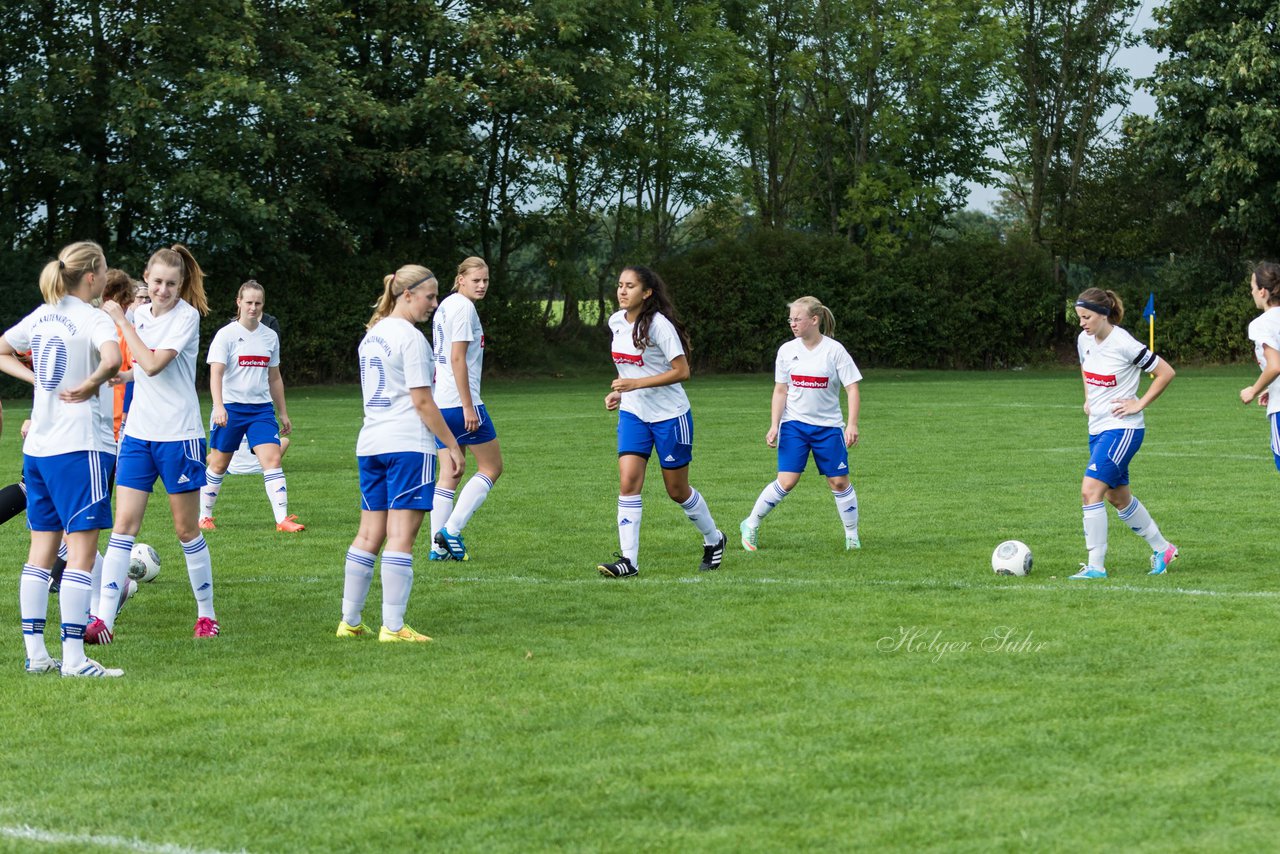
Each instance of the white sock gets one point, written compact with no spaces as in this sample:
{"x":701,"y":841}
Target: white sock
{"x":1095,"y":533}
{"x":469,"y":501}
{"x":1138,"y":519}
{"x":397,"y":582}
{"x":115,"y":575}
{"x":770,"y":497}
{"x":200,"y":572}
{"x":277,"y":493}
{"x":441,"y":509}
{"x":630,"y":512}
{"x":355,"y":589}
{"x":847,"y":507}
{"x":209,"y":492}
{"x":700,"y":515}
{"x":95,"y":597}
{"x":33,"y":599}
{"x":73,"y":600}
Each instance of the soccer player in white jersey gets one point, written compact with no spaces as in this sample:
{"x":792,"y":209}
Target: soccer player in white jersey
{"x":248,"y":397}
{"x":650,"y":348}
{"x":1112,"y":363}
{"x":74,"y":352}
{"x":458,"y":340}
{"x":1264,"y":332}
{"x":164,"y":433}
{"x":805,"y":417}
{"x":396,"y":453}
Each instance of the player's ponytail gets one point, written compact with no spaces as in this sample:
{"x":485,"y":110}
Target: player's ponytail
{"x":659,"y":302}
{"x":60,"y":277}
{"x":814,"y":308}
{"x":407,"y":277}
{"x":180,"y":258}
{"x":468,"y":264}
{"x":1267,"y":275}
{"x":1109,"y":301}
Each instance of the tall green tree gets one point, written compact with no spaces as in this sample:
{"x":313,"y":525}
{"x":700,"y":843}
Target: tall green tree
{"x":1217,"y":92}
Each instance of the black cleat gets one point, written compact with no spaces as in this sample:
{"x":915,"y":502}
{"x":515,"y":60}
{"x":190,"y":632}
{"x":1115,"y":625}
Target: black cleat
{"x":712,"y":555}
{"x":620,"y":568}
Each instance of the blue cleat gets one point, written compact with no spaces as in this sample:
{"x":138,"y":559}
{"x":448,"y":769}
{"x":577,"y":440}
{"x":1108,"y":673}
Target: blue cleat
{"x":1160,"y":560}
{"x":1090,"y":572}
{"x":452,"y":543}
{"x":435,"y":555}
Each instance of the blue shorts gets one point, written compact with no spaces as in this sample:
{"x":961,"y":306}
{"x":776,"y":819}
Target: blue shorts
{"x":673,"y":438}
{"x":1109,"y":455}
{"x":255,"y":420}
{"x":180,"y":464}
{"x":796,"y":439}
{"x":1274,"y":418}
{"x":458,"y":427}
{"x":69,"y":492}
{"x":404,"y":481}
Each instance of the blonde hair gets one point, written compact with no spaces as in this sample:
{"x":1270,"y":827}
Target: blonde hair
{"x":408,"y":276}
{"x":60,"y":277}
{"x":180,"y":258}
{"x":826,"y":320}
{"x":474,"y":262}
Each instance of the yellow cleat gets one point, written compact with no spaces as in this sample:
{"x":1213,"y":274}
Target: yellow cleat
{"x":357,"y":631}
{"x":405,"y":635}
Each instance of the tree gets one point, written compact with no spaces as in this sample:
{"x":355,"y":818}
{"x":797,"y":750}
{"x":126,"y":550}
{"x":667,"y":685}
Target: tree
{"x":1218,"y":99}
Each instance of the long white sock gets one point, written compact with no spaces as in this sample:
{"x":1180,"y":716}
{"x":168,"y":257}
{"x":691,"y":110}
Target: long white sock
{"x":630,"y":512}
{"x":770,"y":497}
{"x":358,"y":575}
{"x":115,"y":575}
{"x":695,"y":507}
{"x":200,"y":572}
{"x":95,"y":597}
{"x":73,"y":601}
{"x":1140,"y":521}
{"x":397,"y":583}
{"x":847,"y":507}
{"x":441,"y":509}
{"x":469,"y":501}
{"x":33,"y":599}
{"x":1095,"y":533}
{"x":209,"y":492}
{"x":277,"y":492}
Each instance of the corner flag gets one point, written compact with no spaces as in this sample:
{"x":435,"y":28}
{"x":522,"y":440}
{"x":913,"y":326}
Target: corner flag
{"x":1150,"y":314}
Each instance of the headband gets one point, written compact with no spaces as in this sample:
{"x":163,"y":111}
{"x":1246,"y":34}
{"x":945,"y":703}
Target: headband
{"x":425,"y":278}
{"x":1094,"y":307}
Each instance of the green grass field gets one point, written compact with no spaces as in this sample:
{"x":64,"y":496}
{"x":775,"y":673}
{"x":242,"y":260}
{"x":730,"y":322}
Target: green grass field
{"x":773,"y":705}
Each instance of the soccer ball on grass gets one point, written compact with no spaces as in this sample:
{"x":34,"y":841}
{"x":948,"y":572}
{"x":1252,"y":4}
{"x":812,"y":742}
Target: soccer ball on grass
{"x":1012,"y":557}
{"x":144,"y":563}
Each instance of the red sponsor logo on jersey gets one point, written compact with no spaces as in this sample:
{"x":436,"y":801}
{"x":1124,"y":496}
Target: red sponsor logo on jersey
{"x":1100,"y":380}
{"x":254,"y":361}
{"x":628,"y":359}
{"x":809,"y":382}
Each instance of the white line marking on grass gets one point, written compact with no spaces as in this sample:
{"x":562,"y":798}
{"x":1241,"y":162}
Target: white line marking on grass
{"x":724,"y":580}
{"x":27,"y":833}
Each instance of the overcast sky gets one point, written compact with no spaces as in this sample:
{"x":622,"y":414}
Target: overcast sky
{"x":1141,"y":62}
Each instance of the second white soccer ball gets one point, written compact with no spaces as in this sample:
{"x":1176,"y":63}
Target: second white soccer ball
{"x":1012,"y":557}
{"x":144,"y":563}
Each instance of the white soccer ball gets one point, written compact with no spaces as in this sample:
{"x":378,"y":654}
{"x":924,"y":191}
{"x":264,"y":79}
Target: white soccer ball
{"x":1012,"y":557}
{"x":144,"y":563}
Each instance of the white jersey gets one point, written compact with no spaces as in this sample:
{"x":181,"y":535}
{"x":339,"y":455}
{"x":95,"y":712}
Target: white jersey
{"x":394,"y":358}
{"x":165,"y":407}
{"x":814,"y":379}
{"x":65,"y":341}
{"x":648,"y":404}
{"x":244,"y":460}
{"x":1265,"y":330}
{"x":247,"y":356}
{"x":1112,"y":369}
{"x":456,"y":319}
